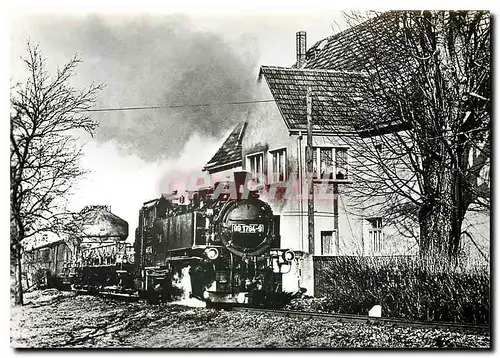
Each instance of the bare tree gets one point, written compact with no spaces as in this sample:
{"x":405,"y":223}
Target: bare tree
{"x":424,"y":115}
{"x":46,"y":115}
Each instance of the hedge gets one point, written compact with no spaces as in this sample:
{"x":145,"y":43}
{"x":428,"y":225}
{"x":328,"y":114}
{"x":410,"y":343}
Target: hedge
{"x":403,"y":288}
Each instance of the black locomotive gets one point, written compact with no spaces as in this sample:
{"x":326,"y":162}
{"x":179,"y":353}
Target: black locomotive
{"x":220,"y":245}
{"x":226,"y":240}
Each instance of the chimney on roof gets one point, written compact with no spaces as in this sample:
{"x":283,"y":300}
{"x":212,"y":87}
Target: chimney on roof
{"x":301,"y":49}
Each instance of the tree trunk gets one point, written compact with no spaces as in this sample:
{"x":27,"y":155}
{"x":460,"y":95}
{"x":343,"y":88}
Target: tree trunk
{"x":19,"y":296}
{"x":17,"y":238}
{"x":437,"y":216}
{"x":459,"y":210}
{"x":440,"y":221}
{"x":435,"y":227}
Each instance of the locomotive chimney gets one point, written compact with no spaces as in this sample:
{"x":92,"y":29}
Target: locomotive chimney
{"x":301,"y":49}
{"x":240,"y":181}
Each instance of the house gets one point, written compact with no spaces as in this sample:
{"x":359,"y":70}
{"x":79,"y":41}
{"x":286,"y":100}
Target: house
{"x":45,"y":257}
{"x":94,"y":227}
{"x":272,"y":144}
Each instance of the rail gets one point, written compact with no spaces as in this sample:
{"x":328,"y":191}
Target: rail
{"x":395,"y":322}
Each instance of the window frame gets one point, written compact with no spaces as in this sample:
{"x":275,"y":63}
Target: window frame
{"x":284,"y":165}
{"x":332,"y":243}
{"x":376,"y":234}
{"x":333,"y":149}
{"x":347,"y":163}
{"x":45,"y":254}
{"x":248,"y":158}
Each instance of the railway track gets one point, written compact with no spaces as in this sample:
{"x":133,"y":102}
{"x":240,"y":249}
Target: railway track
{"x":393,"y":322}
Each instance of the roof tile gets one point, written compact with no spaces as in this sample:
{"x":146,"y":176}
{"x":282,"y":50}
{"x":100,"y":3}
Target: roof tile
{"x":329,"y":89}
{"x":229,"y":154}
{"x":98,"y":221}
{"x":352,"y":48}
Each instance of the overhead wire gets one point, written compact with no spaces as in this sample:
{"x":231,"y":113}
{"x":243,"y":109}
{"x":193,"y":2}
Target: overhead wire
{"x":178,"y":106}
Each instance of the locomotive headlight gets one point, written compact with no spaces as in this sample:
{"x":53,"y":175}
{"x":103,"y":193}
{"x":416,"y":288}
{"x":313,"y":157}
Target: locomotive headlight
{"x":212,"y":253}
{"x":288,"y":255}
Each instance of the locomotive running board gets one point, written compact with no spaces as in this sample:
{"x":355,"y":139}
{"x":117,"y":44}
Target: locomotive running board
{"x":120,"y":295}
{"x":79,"y":290}
{"x":181,"y":258}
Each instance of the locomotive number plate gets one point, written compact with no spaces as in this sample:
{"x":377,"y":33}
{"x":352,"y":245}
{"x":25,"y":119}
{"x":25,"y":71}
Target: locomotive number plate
{"x":248,"y":228}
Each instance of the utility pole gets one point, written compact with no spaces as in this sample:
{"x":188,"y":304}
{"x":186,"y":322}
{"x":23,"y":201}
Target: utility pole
{"x":310,"y":169}
{"x":336,"y":214}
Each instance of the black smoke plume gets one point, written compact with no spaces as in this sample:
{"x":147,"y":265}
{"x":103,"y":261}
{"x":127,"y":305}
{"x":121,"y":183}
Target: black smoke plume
{"x":152,"y":60}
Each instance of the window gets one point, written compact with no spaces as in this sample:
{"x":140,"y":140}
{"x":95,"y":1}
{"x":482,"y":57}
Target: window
{"x":45,"y":253}
{"x":278,"y":162}
{"x":256,"y":165}
{"x":327,"y":243}
{"x":327,"y":161}
{"x":375,"y":234}
{"x":341,"y":169}
{"x":323,"y":168}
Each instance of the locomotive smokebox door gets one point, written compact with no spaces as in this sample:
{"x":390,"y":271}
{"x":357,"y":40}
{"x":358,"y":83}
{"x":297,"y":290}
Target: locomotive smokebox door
{"x":248,"y":227}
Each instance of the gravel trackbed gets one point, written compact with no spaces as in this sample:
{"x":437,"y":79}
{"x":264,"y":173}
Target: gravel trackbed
{"x":55,"y":319}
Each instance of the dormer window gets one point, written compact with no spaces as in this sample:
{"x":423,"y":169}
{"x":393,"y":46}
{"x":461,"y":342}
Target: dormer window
{"x":312,"y":53}
{"x":322,"y":45}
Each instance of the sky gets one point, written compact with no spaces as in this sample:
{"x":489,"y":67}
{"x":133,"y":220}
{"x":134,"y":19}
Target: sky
{"x":158,"y":60}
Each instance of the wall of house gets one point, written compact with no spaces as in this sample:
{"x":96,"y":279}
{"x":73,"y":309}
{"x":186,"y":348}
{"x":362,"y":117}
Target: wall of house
{"x":224,"y":175}
{"x":475,"y":245}
{"x":349,"y":240}
{"x":266,"y":131}
{"x":355,"y":210}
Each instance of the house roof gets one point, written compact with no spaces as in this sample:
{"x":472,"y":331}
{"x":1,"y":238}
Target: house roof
{"x":330,"y":109}
{"x":362,"y":48}
{"x":92,"y":221}
{"x":353,"y":48}
{"x":42,"y":239}
{"x":229,"y":154}
{"x":99,"y":221}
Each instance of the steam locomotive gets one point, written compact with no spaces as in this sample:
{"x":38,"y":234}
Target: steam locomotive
{"x":220,"y":245}
{"x":226,"y":240}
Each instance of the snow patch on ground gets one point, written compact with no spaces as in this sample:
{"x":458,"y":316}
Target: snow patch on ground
{"x":190,"y":302}
{"x":44,"y":296}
